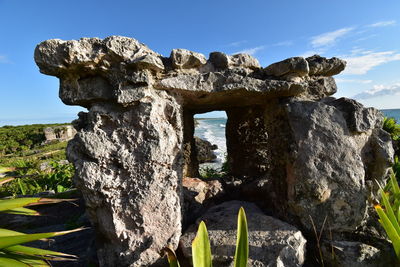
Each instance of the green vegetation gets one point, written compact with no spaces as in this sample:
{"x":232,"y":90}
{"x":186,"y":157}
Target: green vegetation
{"x":201,"y":249}
{"x":389,"y":212}
{"x":12,"y":252}
{"x":390,"y":125}
{"x":19,"y":139}
{"x":208,"y":172}
{"x":36,"y":165}
{"x":30,"y":180}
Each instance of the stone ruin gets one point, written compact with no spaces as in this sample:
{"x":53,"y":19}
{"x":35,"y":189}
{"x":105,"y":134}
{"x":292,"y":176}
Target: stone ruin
{"x":59,"y":133}
{"x":294,"y":153}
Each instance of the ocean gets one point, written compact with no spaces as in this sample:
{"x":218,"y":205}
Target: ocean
{"x":213,"y":130}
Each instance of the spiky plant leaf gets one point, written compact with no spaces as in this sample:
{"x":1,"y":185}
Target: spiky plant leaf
{"x":389,"y":212}
{"x":171,"y":256}
{"x":10,"y":204}
{"x":12,"y":240}
{"x":390,"y":230}
{"x":242,"y":243}
{"x":6,"y":261}
{"x":201,"y":250}
{"x":41,"y":253}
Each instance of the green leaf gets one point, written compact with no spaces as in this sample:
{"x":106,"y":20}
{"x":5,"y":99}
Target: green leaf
{"x":9,"y":204}
{"x":172,"y":259}
{"x":395,"y":185}
{"x":42,"y":253}
{"x":6,"y":232}
{"x":7,"y":262}
{"x":390,"y":230}
{"x":12,"y":240}
{"x":201,"y":250}
{"x":21,"y":186}
{"x":22,"y":211}
{"x":26,"y":260}
{"x":242,"y":242}
{"x":389,"y":212}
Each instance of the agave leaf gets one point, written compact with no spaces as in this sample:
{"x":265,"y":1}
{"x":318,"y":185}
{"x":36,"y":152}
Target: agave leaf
{"x":398,"y":215}
{"x":201,"y":250}
{"x":6,"y":232}
{"x":389,"y":212}
{"x":390,"y":230}
{"x":5,"y":261}
{"x":395,"y":185}
{"x":242,"y":243}
{"x":42,"y":253}
{"x":172,"y":259}
{"x":12,"y":240}
{"x":22,"y":211}
{"x":26,"y":260}
{"x":45,"y":201}
{"x":9,"y":204}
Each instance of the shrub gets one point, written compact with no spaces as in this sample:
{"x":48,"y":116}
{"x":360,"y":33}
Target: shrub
{"x":390,"y":125}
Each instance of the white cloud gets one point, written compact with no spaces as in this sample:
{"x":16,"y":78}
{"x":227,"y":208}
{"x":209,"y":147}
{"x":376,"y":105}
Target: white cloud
{"x":383,"y":23}
{"x":237,"y":43}
{"x":360,"y":81}
{"x":360,"y":62}
{"x":283,"y":43}
{"x":379,"y":90}
{"x":251,"y":51}
{"x":329,"y":38}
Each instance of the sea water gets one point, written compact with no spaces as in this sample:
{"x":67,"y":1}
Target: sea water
{"x":392,"y":113}
{"x":213,"y":130}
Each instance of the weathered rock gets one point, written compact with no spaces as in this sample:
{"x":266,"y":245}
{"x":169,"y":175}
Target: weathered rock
{"x":296,"y":65}
{"x":358,"y":118}
{"x":320,"y":88}
{"x":223,"y":61}
{"x":325,"y":67}
{"x":219,"y":60}
{"x":199,"y":195}
{"x":244,"y":61}
{"x":356,"y":254}
{"x":271,"y":241}
{"x":136,"y":148}
{"x":327,"y":175}
{"x":204,"y":150}
{"x":185,"y":59}
{"x":204,"y":189}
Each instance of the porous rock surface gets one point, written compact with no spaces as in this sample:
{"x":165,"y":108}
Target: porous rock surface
{"x":271,"y":241}
{"x":296,"y":151}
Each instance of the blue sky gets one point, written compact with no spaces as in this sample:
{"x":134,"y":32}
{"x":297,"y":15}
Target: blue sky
{"x":365,"y":33}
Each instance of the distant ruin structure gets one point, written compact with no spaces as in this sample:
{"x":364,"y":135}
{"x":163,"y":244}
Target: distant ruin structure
{"x":59,"y":133}
{"x":293,"y":150}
